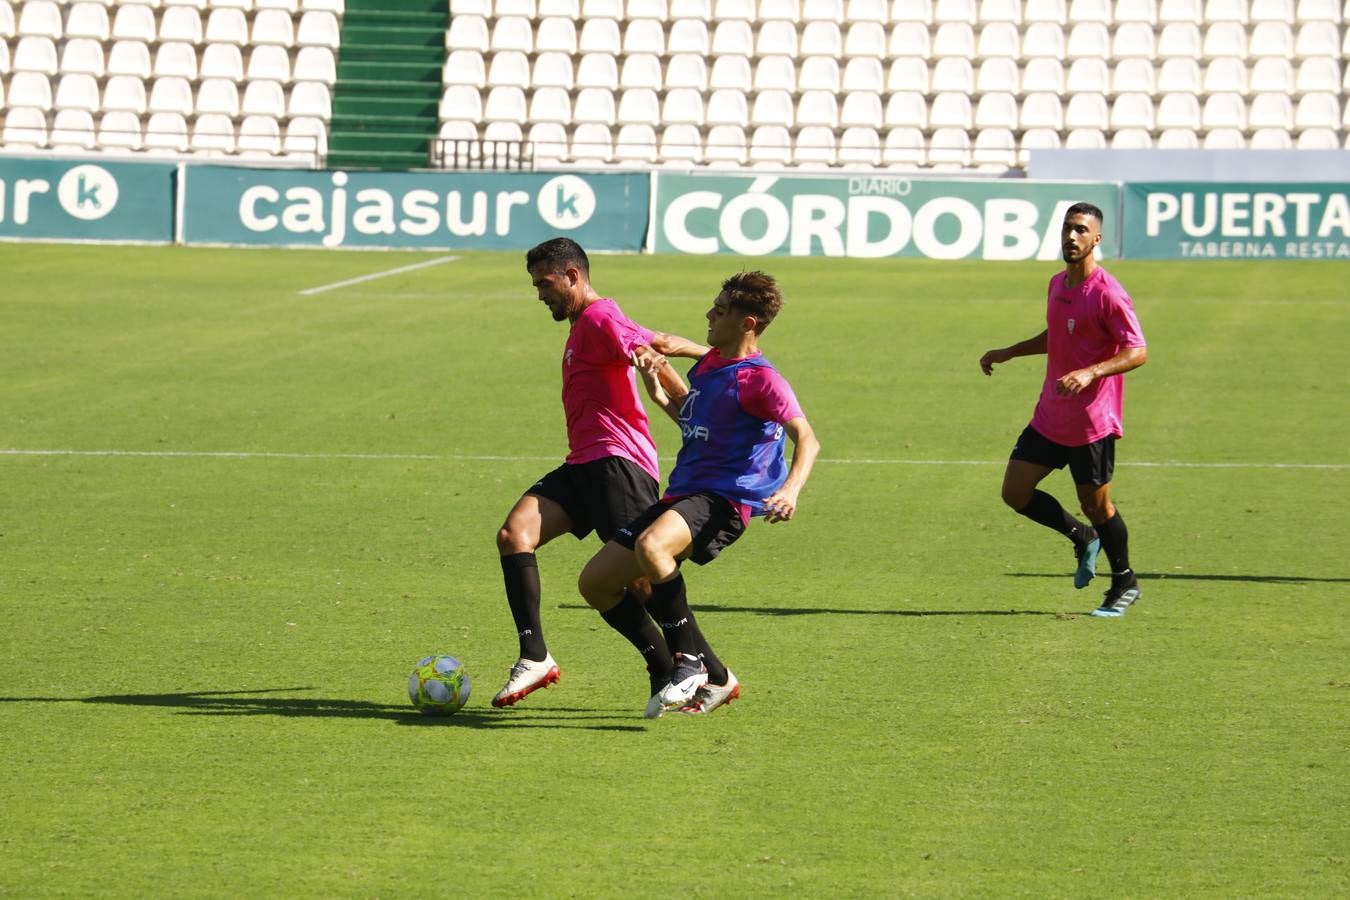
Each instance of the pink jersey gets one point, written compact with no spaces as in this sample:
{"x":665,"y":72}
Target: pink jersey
{"x":599,"y":389}
{"x":1085,"y":325}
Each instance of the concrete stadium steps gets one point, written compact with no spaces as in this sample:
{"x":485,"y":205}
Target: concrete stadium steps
{"x":388,"y":83}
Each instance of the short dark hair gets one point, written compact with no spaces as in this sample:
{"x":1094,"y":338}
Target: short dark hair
{"x":558,"y":254}
{"x":1084,"y":208}
{"x":754,"y":294}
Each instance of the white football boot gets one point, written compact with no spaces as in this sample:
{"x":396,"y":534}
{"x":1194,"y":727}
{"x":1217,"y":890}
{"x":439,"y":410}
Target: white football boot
{"x":690,"y":674}
{"x":527,"y":676}
{"x":711,"y":696}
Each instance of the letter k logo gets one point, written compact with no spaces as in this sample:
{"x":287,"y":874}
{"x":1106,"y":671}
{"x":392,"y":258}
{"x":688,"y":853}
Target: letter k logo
{"x":86,"y":195}
{"x":567,"y":203}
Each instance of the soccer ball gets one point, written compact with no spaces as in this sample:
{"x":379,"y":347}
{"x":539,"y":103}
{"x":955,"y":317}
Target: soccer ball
{"x":439,"y":685}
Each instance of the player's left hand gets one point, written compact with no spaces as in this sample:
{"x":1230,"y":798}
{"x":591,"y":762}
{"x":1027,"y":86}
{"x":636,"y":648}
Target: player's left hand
{"x":779,"y":507}
{"x":1074,"y":383}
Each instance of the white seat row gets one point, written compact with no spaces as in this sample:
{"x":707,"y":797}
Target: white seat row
{"x":41,"y":18}
{"x":169,"y":133}
{"x":86,"y":56}
{"x":642,"y":70}
{"x":923,"y":11}
{"x":904,"y":39}
{"x":170,"y":94}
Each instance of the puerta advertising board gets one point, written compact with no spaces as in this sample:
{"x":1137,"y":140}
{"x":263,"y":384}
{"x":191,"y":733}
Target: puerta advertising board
{"x":412,"y":210}
{"x":84,"y":200}
{"x":1239,"y":220}
{"x":872,"y":216}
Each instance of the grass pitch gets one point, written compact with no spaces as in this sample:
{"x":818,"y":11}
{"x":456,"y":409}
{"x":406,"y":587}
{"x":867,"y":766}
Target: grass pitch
{"x":232,"y":516}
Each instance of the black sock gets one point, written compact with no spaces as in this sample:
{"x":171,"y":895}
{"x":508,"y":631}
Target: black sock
{"x":520,"y":571}
{"x":670,"y":607}
{"x":1116,"y":545}
{"x":1046,"y":510}
{"x":629,"y":618}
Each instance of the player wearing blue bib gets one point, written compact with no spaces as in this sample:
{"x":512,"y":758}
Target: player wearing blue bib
{"x":734,"y":417}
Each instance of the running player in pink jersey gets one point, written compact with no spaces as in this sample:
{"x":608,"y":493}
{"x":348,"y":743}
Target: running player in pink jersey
{"x":1092,"y":338}
{"x":610,"y":473}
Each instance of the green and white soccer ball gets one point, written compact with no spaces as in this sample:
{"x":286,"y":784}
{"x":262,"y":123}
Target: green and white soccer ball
{"x":439,"y":685}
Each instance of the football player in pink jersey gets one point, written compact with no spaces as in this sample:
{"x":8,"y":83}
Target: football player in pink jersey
{"x":1092,"y":338}
{"x":610,"y":473}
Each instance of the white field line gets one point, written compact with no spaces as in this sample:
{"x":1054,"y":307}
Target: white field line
{"x":466,"y":457}
{"x":309,"y":292}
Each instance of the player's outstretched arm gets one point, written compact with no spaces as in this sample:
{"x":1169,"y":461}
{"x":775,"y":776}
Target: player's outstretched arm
{"x":1030,"y":347}
{"x":673,"y":345}
{"x":782,"y":504}
{"x":664,"y":385}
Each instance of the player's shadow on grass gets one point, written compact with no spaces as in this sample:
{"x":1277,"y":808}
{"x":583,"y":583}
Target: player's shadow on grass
{"x":838,"y":611}
{"x":1192,"y":576}
{"x":253,"y":703}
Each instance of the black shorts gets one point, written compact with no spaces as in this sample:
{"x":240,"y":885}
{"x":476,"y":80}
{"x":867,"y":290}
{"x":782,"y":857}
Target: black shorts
{"x":712,"y":519}
{"x":601,"y":495}
{"x":1089,"y":464}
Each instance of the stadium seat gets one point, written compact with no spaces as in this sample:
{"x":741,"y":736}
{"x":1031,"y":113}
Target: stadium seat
{"x":821,"y":39}
{"x":680,"y":143}
{"x":1271,"y":39}
{"x":906,"y":109}
{"x":1090,"y":11}
{"x":1318,"y":139}
{"x":466,"y":32}
{"x":598,"y":70}
{"x":773,"y":107}
{"x":1221,"y":111}
{"x":222,"y":61}
{"x":1043,"y":75}
{"x":1180,"y":75}
{"x":865,"y":39}
{"x":859,"y":147}
{"x":996,"y":111}
{"x":733,"y":38}
{"x":556,"y":35}
{"x":1225,"y":75}
{"x":310,"y":99}
{"x":134,"y":23}
{"x":1318,"y":39}
{"x":1089,"y":40}
{"x":5,"y":63}
{"x":725,"y":145}
{"x":125,"y":93}
{"x":742,"y":10}
{"x":180,"y":23}
{"x":951,"y":110}
{"x":176,"y":58}
{"x":1271,"y":73}
{"x":461,"y":103}
{"x":641,"y":70}
{"x":551,"y":104}
{"x":1184,"y":11}
{"x":951,"y":73}
{"x":1132,"y":111}
{"x":1180,"y":39}
{"x":1043,"y":111}
{"x":635,"y":144}
{"x":910,"y":73}
{"x":1178,"y":110}
{"x":1087,"y":111}
{"x":72,"y":130}
{"x":318,"y":29}
{"x":726,"y":106}
{"x":261,"y":98}
{"x":510,"y":68}
{"x":949,"y":149}
{"x":218,"y":95}
{"x":120,"y":130}
{"x":639,"y":106}
{"x":1271,"y":110}
{"x":904,"y":148}
{"x":270,"y":26}
{"x":40,"y":18}
{"x":259,"y":136}
{"x":682,"y":106}
{"x":77,"y":92}
{"x":688,"y":70}
{"x":647,"y":9}
{"x":818,"y":108}
{"x":227,"y":26}
{"x":954,"y":39}
{"x":995,"y":149}
{"x":594,"y":106}
{"x":909,"y":39}
{"x":1131,"y":11}
{"x":834,"y":10}
{"x":819,"y":73}
{"x":306,"y":138}
{"x":814,"y":147}
{"x":1009,"y":11}
{"x":864,"y":74}
{"x":731,"y":72}
{"x":512,"y":33}
{"x":25,"y":127}
{"x":1131,"y":139}
{"x":916,"y":11}
{"x":289,"y":6}
{"x":552,"y":70}
{"x":644,"y":36}
{"x":775,"y":73}
{"x":701,"y":10}
{"x":1317,"y":111}
{"x":770,"y":145}
{"x":998,"y":74}
{"x":166,"y":133}
{"x":1272,"y":11}
{"x":315,"y":64}
{"x":1043,"y":39}
{"x":35,"y":54}
{"x":337,"y":7}
{"x":592,"y":144}
{"x":999,"y":39}
{"x":860,"y":108}
{"x":88,"y":20}
{"x":600,"y":36}
{"x":1048,"y":11}
{"x":467,"y":67}
{"x":1225,"y":39}
{"x":505,"y":104}
{"x":459,"y":146}
{"x":1319,"y":11}
{"x":30,"y":89}
{"x":171,"y":95}
{"x":777,"y":38}
{"x":688,"y":36}
{"x":548,"y":142}
{"x":1177,"y":139}
{"x":83,"y":56}
{"x":1085,"y":139}
{"x":1318,"y":75}
{"x":212,"y":135}
{"x":1224,"y":139}
{"x":958,"y":11}
{"x":1133,"y":76}
{"x":1089,"y":75}
{"x":1133,"y":40}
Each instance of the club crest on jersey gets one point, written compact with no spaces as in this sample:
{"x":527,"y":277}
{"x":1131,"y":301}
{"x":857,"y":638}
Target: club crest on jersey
{"x":567,"y":357}
{"x":1071,"y":324}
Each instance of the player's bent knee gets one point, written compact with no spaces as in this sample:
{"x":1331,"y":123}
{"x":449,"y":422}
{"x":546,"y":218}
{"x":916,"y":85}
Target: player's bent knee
{"x":1016,"y":498}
